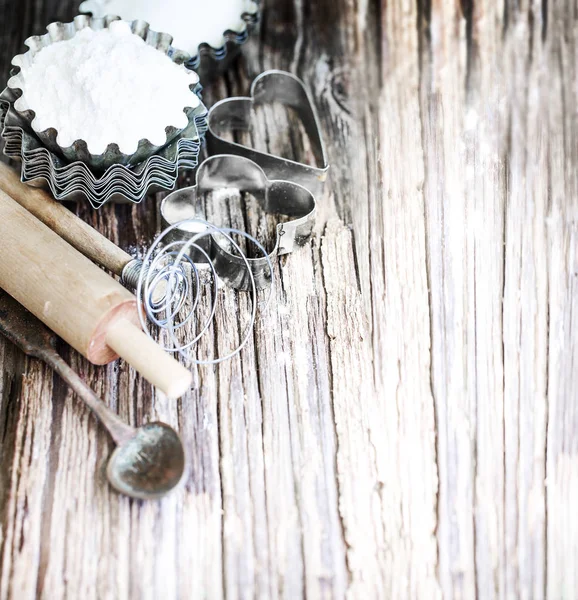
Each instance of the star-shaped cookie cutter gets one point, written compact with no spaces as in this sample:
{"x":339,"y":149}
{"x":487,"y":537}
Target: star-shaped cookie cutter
{"x":227,"y":172}
{"x":235,"y":114}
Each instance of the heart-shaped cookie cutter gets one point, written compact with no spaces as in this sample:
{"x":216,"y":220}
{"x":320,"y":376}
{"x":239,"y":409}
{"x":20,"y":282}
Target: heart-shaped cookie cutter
{"x":226,"y":172}
{"x":235,"y":114}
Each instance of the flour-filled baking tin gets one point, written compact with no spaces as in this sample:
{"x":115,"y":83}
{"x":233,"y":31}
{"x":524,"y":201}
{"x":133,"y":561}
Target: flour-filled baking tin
{"x":79,"y":151}
{"x":209,"y":57}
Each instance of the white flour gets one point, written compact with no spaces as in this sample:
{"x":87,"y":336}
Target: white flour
{"x":106,"y":87}
{"x":190,"y":22}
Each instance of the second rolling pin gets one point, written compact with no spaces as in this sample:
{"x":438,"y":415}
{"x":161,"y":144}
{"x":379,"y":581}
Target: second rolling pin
{"x":65,"y":223}
{"x":77,"y":300}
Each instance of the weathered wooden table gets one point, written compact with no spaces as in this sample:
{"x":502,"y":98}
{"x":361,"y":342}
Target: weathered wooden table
{"x":404,"y":423}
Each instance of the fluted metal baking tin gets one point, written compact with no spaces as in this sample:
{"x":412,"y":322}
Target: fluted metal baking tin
{"x":210,"y":61}
{"x":79,"y":151}
{"x":42,"y":168}
{"x":192,"y":137}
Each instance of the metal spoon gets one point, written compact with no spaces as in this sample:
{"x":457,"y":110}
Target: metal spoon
{"x":149,"y":461}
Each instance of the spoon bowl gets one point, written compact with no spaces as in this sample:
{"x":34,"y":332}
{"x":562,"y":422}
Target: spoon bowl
{"x":149,"y":461}
{"x":149,"y":464}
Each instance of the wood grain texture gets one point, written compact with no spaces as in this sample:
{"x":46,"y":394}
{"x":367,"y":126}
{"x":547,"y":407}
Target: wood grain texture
{"x":64,"y":222}
{"x":404,"y":422}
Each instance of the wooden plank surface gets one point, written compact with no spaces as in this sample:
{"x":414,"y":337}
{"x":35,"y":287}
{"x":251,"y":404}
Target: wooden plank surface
{"x":404,"y":422}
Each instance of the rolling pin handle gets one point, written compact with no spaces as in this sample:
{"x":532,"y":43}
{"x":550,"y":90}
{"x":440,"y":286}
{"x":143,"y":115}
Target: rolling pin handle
{"x":148,"y":358}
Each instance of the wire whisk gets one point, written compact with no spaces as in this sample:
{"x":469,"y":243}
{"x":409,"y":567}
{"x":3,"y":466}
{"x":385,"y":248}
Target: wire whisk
{"x":176,"y":274}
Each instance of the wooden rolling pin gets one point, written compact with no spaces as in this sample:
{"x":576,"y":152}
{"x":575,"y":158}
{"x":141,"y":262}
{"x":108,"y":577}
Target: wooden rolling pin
{"x":64,"y":222}
{"x":81,"y":303}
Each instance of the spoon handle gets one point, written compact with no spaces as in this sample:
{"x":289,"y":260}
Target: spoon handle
{"x":118,"y":429}
{"x":35,"y":339}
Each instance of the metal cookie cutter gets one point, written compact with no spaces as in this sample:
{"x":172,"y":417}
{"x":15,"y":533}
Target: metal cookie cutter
{"x":235,"y":114}
{"x":223,"y":172}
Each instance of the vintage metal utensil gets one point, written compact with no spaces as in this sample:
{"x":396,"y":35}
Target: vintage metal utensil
{"x":149,"y":461}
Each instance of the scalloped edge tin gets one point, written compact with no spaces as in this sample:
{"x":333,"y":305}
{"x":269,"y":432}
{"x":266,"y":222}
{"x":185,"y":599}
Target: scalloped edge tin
{"x":76,"y":181}
{"x":210,"y":61}
{"x":79,"y":151}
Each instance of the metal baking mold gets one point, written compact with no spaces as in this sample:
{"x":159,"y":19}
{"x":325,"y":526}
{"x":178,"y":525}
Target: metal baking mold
{"x":274,"y":196}
{"x":21,"y":143}
{"x":13,"y":124}
{"x":235,"y":114}
{"x":79,"y":151}
{"x":76,"y":180}
{"x":210,"y":60}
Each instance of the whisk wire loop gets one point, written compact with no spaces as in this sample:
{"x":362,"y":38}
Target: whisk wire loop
{"x":170,"y":283}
